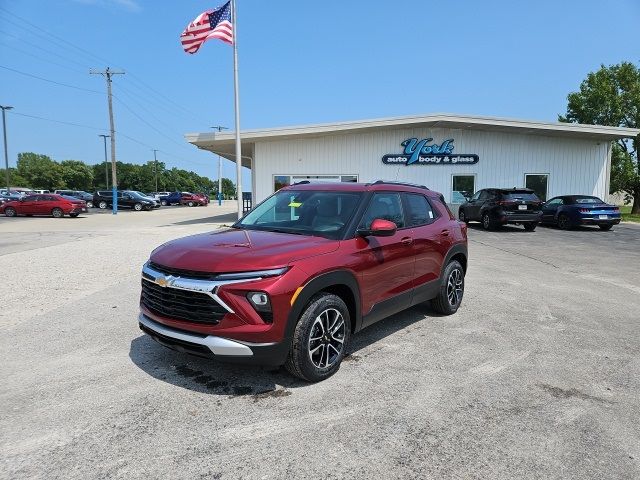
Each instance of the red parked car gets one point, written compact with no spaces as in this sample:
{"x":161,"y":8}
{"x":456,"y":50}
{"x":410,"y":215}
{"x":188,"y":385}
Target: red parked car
{"x":47,"y":204}
{"x":291,"y":281}
{"x":193,"y":199}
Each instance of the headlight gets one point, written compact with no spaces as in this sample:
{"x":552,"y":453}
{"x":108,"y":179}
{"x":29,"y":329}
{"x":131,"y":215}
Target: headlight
{"x":252,"y":275}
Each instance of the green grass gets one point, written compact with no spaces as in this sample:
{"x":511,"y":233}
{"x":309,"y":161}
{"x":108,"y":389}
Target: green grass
{"x":627,"y":216}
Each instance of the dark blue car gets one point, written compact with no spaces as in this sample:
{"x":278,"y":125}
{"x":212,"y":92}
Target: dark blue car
{"x":570,"y":211}
{"x":172,"y":199}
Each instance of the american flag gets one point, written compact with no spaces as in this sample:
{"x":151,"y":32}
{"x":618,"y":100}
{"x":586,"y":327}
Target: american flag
{"x":210,"y":24}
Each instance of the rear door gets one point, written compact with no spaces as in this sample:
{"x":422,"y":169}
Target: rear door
{"x":28,"y":205}
{"x":387,"y":263}
{"x":428,"y":231}
{"x":473,"y":211}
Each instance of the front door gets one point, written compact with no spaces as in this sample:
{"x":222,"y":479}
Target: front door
{"x":388,"y":262}
{"x":473,"y":210}
{"x":550,"y":209}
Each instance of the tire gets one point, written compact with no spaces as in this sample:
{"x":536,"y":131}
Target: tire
{"x":57,"y":213}
{"x":102,"y":205}
{"x":530,"y":227}
{"x":73,"y":215}
{"x":451,"y":290}
{"x":563,"y":222}
{"x":307,"y":359}
{"x":190,"y":204}
{"x":462,"y":216}
{"x":10,"y":212}
{"x":163,"y":203}
{"x":89,"y":204}
{"x":487,"y":223}
{"x":137,"y":207}
{"x":605,"y":227}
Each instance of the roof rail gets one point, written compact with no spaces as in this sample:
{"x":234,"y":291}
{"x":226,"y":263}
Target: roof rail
{"x":406,"y":184}
{"x":302,"y":182}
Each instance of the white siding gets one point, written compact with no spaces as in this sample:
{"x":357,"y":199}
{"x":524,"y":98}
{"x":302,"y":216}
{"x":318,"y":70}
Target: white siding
{"x":574,"y":166}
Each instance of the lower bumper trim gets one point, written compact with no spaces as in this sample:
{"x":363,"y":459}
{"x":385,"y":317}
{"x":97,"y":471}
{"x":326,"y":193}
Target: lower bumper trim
{"x":217,"y":345}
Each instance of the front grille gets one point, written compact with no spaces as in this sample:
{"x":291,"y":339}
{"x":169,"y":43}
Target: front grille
{"x":181,"y":304}
{"x":176,"y":272}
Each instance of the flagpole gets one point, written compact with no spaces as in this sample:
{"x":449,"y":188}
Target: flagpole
{"x":237,"y":106}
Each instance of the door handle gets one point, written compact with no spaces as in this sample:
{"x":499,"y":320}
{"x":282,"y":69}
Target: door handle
{"x":406,"y":240}
{"x":444,"y":233}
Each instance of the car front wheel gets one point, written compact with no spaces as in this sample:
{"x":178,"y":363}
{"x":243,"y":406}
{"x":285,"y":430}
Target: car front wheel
{"x":163,"y":203}
{"x":57,"y":213}
{"x":563,"y":222}
{"x":137,"y":207}
{"x":10,"y":212}
{"x":102,"y":205}
{"x":190,"y":204}
{"x":462,"y":216}
{"x":451,"y":289}
{"x":320,"y":339}
{"x":89,"y":204}
{"x":487,"y":224}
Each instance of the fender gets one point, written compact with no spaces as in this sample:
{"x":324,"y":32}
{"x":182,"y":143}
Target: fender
{"x":454,"y":250}
{"x":317,"y":284}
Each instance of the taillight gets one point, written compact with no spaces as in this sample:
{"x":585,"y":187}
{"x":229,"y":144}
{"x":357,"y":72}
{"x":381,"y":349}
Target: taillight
{"x":584,"y":210}
{"x":504,"y":202}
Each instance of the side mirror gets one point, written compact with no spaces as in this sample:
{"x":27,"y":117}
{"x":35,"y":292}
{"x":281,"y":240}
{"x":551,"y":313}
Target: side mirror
{"x":379,"y":228}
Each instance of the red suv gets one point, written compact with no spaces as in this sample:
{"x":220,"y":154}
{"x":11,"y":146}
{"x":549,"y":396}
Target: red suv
{"x":47,"y":204}
{"x":193,"y":199}
{"x":291,"y":281}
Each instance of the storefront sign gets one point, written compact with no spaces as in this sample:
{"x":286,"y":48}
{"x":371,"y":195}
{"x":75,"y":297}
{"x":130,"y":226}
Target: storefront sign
{"x":423,"y":153}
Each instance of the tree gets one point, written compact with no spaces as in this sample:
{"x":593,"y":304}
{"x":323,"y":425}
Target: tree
{"x":15,"y":179}
{"x":76,"y":175}
{"x":40,"y":171}
{"x":611,"y":96}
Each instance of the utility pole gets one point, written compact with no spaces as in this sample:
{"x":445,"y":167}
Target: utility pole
{"x":219,"y":128}
{"x":6,"y":154}
{"x":107,"y":74}
{"x":155,"y":167}
{"x":106,"y":167}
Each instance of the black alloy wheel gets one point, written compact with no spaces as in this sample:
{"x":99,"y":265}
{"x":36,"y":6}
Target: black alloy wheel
{"x":563,"y":222}
{"x":451,"y":289}
{"x":487,"y":224}
{"x":462,"y":217}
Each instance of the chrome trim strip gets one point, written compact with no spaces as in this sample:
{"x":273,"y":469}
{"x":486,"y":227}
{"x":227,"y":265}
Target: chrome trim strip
{"x":218,"y":345}
{"x":208,"y":287}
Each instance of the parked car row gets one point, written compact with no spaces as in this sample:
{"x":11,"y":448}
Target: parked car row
{"x":74,"y":202}
{"x":494,"y":207}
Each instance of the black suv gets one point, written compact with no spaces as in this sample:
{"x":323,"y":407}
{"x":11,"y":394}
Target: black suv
{"x":494,"y":207}
{"x":104,"y":199}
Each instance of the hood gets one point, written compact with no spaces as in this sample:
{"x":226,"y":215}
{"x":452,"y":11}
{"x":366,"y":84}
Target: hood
{"x":238,"y":250}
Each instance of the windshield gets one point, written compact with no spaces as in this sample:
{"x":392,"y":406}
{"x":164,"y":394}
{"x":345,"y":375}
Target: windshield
{"x":308,"y":212}
{"x":137,"y":194}
{"x":588,"y":200}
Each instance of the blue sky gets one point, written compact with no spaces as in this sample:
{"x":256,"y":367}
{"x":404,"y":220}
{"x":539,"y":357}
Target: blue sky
{"x":300,"y":62}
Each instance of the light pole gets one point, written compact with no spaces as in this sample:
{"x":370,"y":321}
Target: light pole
{"x":106,"y":166}
{"x":6,"y":154}
{"x":219,"y":128}
{"x":155,"y":168}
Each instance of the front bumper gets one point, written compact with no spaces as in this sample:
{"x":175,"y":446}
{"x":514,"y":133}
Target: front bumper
{"x":211,"y":346}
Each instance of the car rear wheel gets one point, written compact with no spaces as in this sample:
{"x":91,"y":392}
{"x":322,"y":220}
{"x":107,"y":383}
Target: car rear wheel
{"x":137,"y":207}
{"x":57,"y":213}
{"x":89,"y":204}
{"x":563,"y":222}
{"x":462,"y":216}
{"x":451,"y":290}
{"x":163,"y":203}
{"x":605,"y":227}
{"x":320,"y":339}
{"x":10,"y":212}
{"x":530,"y":227}
{"x":487,"y":223}
{"x":102,"y":205}
{"x":190,"y":204}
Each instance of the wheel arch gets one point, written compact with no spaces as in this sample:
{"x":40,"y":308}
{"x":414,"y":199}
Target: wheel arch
{"x":457,"y":252}
{"x":342,"y":283}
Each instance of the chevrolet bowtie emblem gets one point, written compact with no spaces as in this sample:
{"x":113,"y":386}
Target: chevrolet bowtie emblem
{"x":163,"y":281}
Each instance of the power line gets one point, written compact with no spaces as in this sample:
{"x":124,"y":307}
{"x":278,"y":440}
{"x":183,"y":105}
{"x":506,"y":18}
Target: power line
{"x":59,"y":121}
{"x":50,"y":81}
{"x":49,"y":52}
{"x":42,"y":59}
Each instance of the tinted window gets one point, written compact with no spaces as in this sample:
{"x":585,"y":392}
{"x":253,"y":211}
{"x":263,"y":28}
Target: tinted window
{"x":484,"y":195}
{"x":554,"y":202}
{"x":386,"y":206}
{"x":420,"y":211}
{"x":476,"y":196}
{"x":30,"y":198}
{"x":527,"y":196}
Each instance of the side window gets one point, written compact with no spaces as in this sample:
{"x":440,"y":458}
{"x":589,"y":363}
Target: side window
{"x":386,"y":206}
{"x":30,"y":198}
{"x":476,"y":195}
{"x":556,"y":202}
{"x":419,"y":210}
{"x":484,"y":195}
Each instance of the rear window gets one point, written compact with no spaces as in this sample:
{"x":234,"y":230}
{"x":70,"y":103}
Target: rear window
{"x":588,"y":200}
{"x":526,"y":196}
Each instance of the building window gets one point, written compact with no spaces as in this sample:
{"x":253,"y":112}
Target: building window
{"x":280,"y":181}
{"x":538,"y":182}
{"x":462,"y":188}
{"x":349,"y":178}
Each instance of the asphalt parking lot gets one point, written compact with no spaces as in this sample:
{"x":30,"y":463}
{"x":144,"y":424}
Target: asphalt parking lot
{"x":536,"y":376}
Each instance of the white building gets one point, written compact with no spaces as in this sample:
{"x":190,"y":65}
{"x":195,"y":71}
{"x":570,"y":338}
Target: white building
{"x":447,"y":153}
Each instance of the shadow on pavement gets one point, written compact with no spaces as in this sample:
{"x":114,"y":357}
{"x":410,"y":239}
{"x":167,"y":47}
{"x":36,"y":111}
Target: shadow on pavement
{"x":227,"y":218}
{"x":218,"y":378}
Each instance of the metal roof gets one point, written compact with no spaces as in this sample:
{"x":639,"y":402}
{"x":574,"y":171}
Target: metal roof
{"x":223,"y":142}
